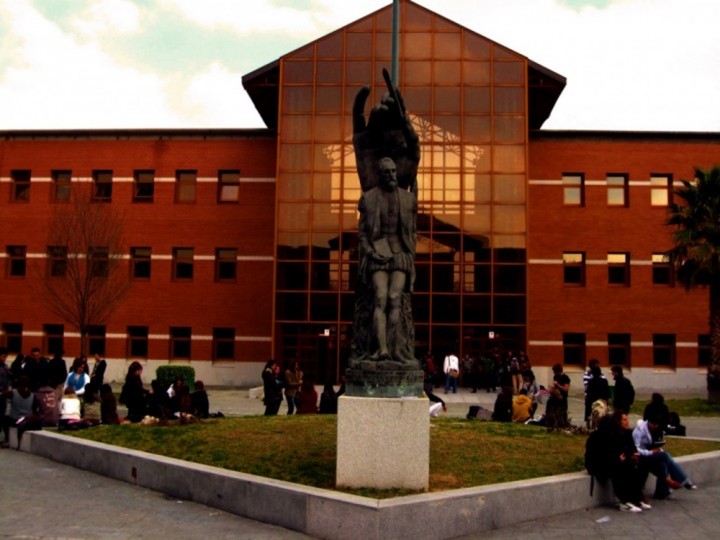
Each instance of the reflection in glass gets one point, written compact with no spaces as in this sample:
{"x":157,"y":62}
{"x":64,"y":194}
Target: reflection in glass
{"x":293,"y":216}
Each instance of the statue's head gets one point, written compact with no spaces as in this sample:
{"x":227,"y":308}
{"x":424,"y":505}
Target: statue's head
{"x":387,"y":174}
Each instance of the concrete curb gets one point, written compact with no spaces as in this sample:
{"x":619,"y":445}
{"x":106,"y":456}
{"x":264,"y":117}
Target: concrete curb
{"x":329,"y":514}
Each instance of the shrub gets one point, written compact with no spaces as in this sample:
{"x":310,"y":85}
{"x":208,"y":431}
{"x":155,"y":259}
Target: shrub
{"x":166,"y":375}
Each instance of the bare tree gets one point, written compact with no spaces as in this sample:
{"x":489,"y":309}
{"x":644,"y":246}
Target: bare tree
{"x":85,"y":280}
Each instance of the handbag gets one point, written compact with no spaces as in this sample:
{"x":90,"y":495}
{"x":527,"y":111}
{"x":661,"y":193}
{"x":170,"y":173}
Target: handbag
{"x":454,"y":373}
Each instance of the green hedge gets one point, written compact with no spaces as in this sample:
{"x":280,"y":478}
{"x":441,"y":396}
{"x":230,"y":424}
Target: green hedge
{"x":166,"y":375}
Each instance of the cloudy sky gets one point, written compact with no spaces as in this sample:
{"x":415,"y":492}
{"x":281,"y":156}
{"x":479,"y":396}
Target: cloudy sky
{"x":630,"y":64}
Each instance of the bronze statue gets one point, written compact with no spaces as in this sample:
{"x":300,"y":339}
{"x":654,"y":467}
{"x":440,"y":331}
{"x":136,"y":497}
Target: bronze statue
{"x":387,"y":153}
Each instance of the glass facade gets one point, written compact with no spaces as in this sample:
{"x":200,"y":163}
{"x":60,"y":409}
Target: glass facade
{"x":467,"y":98}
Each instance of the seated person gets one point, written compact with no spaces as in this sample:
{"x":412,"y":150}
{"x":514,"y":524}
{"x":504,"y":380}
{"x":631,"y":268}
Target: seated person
{"x":158,"y":401}
{"x":91,"y":412}
{"x":306,"y":398}
{"x":46,"y":412}
{"x":328,"y":400}
{"x":503,"y":409}
{"x":523,"y":408}
{"x":657,"y":461}
{"x":70,"y":410}
{"x":200,"y":401}
{"x":108,"y":406}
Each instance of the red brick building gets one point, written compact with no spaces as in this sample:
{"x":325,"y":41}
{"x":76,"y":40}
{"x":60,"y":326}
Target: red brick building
{"x":241,"y":244}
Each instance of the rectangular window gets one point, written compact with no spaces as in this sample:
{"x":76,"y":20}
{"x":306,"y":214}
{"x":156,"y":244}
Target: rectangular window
{"x":223,"y":344}
{"x":57,"y":261}
{"x":704,"y":357}
{"x":140,"y":262}
{"x":185,"y":186}
{"x":619,"y":350}
{"x":574,"y":349}
{"x":96,"y":340}
{"x":180,"y":341}
{"x":53,"y":339}
{"x":61,"y":186}
{"x":20,"y":186}
{"x":17,"y":262}
{"x":573,"y":189}
{"x":619,"y":269}
{"x":660,"y":190}
{"x":662,"y":272}
{"x":664,"y":350}
{"x":137,"y":341}
{"x":183,"y":264}
{"x":144,"y":187}
{"x":102,"y":186}
{"x":617,"y":190}
{"x":99,"y":261}
{"x":228,"y":186}
{"x":574,"y":269}
{"x":12,"y":337}
{"x":225,"y":264}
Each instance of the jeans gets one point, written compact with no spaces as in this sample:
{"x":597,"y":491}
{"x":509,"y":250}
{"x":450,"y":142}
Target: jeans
{"x":451,"y":382}
{"x":290,"y":403}
{"x":663,"y":465}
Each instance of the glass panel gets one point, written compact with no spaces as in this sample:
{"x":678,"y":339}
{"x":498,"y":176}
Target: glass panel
{"x":359,"y":45}
{"x":331,"y":46}
{"x":328,"y":99}
{"x":476,"y":99}
{"x":297,"y":72}
{"x":476,"y":279}
{"x":297,"y":99}
{"x":293,"y":245}
{"x":475,"y":47}
{"x":295,"y":157}
{"x":509,"y":159}
{"x":446,"y":72}
{"x":476,"y":72}
{"x":418,"y":98}
{"x":422,"y":277}
{"x":358,"y":72}
{"x":476,"y":128}
{"x":446,"y":308}
{"x":509,"y":309}
{"x":293,"y":216}
{"x":323,"y":307}
{"x":509,"y":219}
{"x":444,"y":278}
{"x":417,"y":72}
{"x":447,"y":45}
{"x":418,"y":45}
{"x":509,"y":188}
{"x":296,"y":127}
{"x":509,"y":279}
{"x":447,"y":100}
{"x":417,"y":20}
{"x":501,"y":53}
{"x":510,"y":129}
{"x":294,"y":186}
{"x":517,"y":241}
{"x":509,"y":100}
{"x":329,"y":128}
{"x":323,"y":161}
{"x":509,"y":72}
{"x":329,"y":72}
{"x":421,"y":308}
{"x":291,"y":307}
{"x":477,"y":218}
{"x":324,"y":217}
{"x":476,"y":309}
{"x":292,"y":276}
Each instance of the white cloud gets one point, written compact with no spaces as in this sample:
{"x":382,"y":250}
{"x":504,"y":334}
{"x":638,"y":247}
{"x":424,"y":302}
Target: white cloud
{"x":107,"y":16}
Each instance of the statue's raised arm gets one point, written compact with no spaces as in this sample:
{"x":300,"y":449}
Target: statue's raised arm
{"x":387,"y":133}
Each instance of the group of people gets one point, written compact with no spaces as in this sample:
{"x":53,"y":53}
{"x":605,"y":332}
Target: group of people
{"x":298,"y":389}
{"x":36,"y":392}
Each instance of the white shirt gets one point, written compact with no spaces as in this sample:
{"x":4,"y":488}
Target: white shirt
{"x":451,"y":362}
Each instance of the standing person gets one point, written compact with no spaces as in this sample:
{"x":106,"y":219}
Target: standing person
{"x":33,"y":366}
{"x":557,"y":405}
{"x":57,"y":373}
{"x":78,"y":378}
{"x":657,"y":461}
{"x":21,"y":406}
{"x":272,"y":388}
{"x":624,"y":391}
{"x":597,"y":389}
{"x":328,"y":400}
{"x":134,"y":394}
{"x":293,"y":380}
{"x":429,"y":388}
{"x":451,"y":368}
{"x":97,"y":377}
{"x":515,"y":373}
{"x":307,"y":398}
{"x":4,"y":380}
{"x":589,"y":373}
{"x":503,"y":408}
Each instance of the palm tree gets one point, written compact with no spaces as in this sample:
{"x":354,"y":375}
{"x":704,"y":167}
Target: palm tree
{"x":696,"y":252}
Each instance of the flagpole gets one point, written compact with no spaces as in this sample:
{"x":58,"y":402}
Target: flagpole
{"x":395,"y":42}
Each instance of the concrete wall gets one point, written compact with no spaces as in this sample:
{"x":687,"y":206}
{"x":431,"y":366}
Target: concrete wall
{"x":328,"y":514}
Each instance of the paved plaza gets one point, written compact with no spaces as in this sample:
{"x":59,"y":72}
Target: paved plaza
{"x":43,"y":499}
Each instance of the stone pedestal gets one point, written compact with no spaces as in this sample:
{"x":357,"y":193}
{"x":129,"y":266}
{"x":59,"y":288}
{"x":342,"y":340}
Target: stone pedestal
{"x":383,"y":443}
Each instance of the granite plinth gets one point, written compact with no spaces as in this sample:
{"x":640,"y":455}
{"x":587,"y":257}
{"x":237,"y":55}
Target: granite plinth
{"x":368,"y":381}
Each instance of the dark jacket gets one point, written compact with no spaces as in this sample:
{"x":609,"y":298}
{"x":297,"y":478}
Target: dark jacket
{"x":624,"y":394}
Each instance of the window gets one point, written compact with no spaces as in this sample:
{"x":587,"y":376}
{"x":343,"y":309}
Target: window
{"x":225,"y":264}
{"x":17,"y":263}
{"x":57,"y":261}
{"x":20,"y":186}
{"x":185,"y":184}
{"x":704,"y":350}
{"x":617,"y":190}
{"x":223,"y":343}
{"x":140,"y":262}
{"x":137,"y":341}
{"x":180,"y":340}
{"x":660,"y":190}
{"x":574,"y":349}
{"x":619,"y":350}
{"x":228,"y":186}
{"x":573,"y":190}
{"x":12,"y":334}
{"x":664,"y":350}
{"x":183,"y":263}
{"x":96,"y":340}
{"x":619,"y":269}
{"x":144,"y":187}
{"x":53,"y":338}
{"x":102,"y":186}
{"x":662,"y":272}
{"x":99,"y":261}
{"x":61,"y":186}
{"x":574,"y":269}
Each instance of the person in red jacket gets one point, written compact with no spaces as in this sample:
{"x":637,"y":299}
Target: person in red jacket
{"x":306,"y":398}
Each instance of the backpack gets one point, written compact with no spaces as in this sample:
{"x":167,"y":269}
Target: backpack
{"x":595,"y":462}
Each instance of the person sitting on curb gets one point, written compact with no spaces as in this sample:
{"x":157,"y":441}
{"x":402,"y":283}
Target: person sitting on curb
{"x":657,"y":461}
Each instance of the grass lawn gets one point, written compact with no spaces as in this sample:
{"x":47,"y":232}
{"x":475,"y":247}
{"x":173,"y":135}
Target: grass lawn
{"x":302,"y":449}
